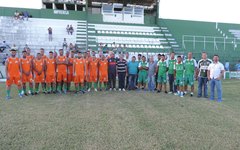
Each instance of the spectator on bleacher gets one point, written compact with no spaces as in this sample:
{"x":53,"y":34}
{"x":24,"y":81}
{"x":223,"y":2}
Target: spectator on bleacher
{"x":65,"y":45}
{"x":67,"y":29}
{"x":71,"y":29}
{"x":16,"y":15}
{"x":25,"y":15}
{"x":227,"y":65}
{"x":50,"y":32}
{"x":3,"y":46}
{"x":237,"y":66}
{"x":4,"y":59}
{"x":25,"y":47}
{"x":71,"y":47}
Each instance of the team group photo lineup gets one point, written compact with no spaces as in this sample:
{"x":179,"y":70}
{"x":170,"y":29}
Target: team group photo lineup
{"x":66,"y":71}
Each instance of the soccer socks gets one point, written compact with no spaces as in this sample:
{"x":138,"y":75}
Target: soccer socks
{"x":95,"y":85}
{"x":31,"y":90}
{"x":8,"y":93}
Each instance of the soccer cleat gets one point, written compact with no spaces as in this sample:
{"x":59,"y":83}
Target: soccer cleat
{"x":20,"y":95}
{"x":170,"y":92}
{"x":158,"y":91}
{"x":8,"y":98}
{"x":166,"y":92}
{"x":89,"y":90}
{"x":114,"y":89}
{"x":191,"y":94}
{"x":119,"y":90}
{"x":123,"y":90}
{"x":25,"y":94}
{"x":95,"y":90}
{"x":176,"y":94}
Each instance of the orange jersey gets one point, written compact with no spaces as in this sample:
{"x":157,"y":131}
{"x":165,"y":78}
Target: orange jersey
{"x":38,"y":64}
{"x":30,"y":57}
{"x":62,"y":67}
{"x":26,"y":64}
{"x":13,"y":66}
{"x":79,"y":66}
{"x":103,"y":67}
{"x":44,"y":57}
{"x":51,"y":66}
{"x":93,"y":67}
{"x":70,"y":67}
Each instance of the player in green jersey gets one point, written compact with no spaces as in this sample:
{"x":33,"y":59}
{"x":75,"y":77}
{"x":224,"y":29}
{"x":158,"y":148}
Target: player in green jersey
{"x":142,"y":75}
{"x":179,"y":74}
{"x":190,"y":66}
{"x":161,"y":69}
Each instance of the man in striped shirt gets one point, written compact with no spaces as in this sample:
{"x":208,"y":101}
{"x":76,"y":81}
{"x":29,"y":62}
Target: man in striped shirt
{"x":121,"y":72}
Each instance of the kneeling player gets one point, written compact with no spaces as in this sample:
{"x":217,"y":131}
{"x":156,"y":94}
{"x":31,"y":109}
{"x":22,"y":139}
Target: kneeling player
{"x":179,"y":73}
{"x":51,"y":73}
{"x":38,"y":66}
{"x":103,"y":73}
{"x":26,"y":66}
{"x":13,"y":74}
{"x":79,"y":72}
{"x":162,"y":68}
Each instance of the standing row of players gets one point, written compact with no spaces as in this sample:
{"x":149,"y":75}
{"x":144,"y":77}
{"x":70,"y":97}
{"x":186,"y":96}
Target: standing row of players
{"x":55,"y":74}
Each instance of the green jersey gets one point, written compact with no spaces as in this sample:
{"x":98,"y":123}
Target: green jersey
{"x":190,"y":66}
{"x":143,"y":64}
{"x":179,"y":70}
{"x":171,"y":63}
{"x":162,"y":67}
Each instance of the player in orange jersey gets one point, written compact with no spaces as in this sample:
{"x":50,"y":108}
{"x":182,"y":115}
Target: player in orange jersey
{"x":38,"y":67}
{"x":29,"y":56}
{"x":26,"y":65}
{"x":44,"y":57}
{"x":51,"y":73}
{"x":93,"y":72}
{"x":79,"y":73}
{"x":13,"y":74}
{"x":62,"y":62}
{"x":87,"y":58}
{"x":103,"y":72}
{"x":70,"y":70}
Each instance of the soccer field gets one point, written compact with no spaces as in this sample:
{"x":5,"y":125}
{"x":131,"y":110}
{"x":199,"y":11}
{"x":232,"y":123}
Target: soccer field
{"x":121,"y":120}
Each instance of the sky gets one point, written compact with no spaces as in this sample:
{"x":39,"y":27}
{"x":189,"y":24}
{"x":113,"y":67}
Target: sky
{"x":226,"y":11}
{"x":36,"y":4}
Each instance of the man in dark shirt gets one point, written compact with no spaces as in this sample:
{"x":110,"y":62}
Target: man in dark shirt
{"x":121,"y":71}
{"x":112,"y":62}
{"x":202,"y":75}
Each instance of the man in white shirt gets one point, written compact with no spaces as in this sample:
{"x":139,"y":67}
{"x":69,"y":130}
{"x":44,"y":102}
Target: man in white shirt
{"x":215,"y":74}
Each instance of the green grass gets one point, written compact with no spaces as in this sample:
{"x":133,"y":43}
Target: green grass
{"x":117,"y":120}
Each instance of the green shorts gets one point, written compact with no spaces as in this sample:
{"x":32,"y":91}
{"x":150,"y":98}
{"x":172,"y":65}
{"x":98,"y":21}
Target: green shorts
{"x":162,"y":78}
{"x":179,"y":81}
{"x":142,"y":77}
{"x":189,"y":80}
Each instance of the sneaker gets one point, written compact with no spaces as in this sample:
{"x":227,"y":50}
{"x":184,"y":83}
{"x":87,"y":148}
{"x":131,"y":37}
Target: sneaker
{"x":176,"y":94}
{"x":123,"y":90}
{"x":165,"y":92}
{"x":114,"y":89}
{"x":170,"y":92}
{"x":158,"y":91}
{"x":25,"y":94}
{"x":119,"y":90}
{"x":110,"y":89}
{"x":191,"y":94}
{"x":181,"y":95}
{"x":95,"y":90}
{"x":219,"y":100}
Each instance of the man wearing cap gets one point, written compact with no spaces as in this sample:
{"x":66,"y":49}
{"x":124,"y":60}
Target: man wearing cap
{"x":26,"y":66}
{"x":61,"y":62}
{"x":13,"y":74}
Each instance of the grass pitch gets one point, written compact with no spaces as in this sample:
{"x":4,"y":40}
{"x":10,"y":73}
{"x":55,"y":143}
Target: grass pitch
{"x":120,"y":120}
